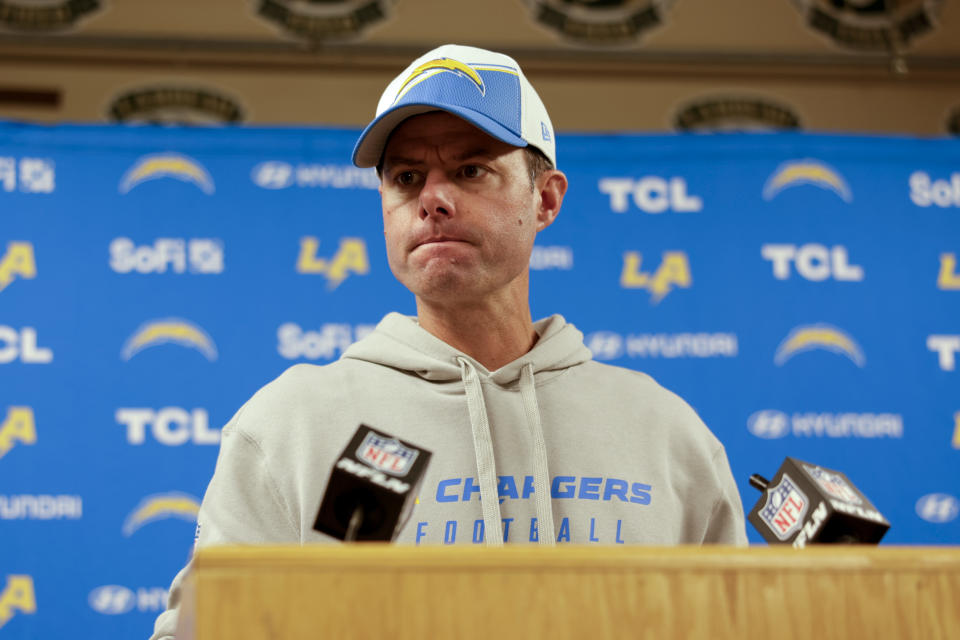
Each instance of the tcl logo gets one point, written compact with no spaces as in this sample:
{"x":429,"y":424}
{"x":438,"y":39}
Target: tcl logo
{"x":21,"y":344}
{"x":650,"y":194}
{"x":814,"y":262}
{"x":171,"y":426}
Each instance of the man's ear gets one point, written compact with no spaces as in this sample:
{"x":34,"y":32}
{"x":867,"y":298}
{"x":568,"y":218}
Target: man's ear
{"x":551,"y":187}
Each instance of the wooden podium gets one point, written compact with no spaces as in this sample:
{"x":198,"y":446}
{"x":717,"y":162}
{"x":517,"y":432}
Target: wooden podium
{"x":427,"y":593}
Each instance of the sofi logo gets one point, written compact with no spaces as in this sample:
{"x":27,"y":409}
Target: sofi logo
{"x":31,"y":175}
{"x":650,"y":194}
{"x":178,"y":255}
{"x":17,"y":597}
{"x":326,"y":342}
{"x":926,"y":191}
{"x":18,"y":427}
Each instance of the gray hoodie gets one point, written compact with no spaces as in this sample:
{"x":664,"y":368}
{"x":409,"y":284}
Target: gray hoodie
{"x":552,"y":442}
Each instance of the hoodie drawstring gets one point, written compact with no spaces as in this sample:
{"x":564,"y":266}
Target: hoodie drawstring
{"x":486,"y":465}
{"x":541,"y":473}
{"x":483,"y":447}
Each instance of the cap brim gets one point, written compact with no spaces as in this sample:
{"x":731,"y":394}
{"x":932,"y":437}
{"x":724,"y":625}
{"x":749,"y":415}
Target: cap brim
{"x":373,"y":139}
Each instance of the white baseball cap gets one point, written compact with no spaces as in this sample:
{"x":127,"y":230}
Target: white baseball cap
{"x":485,"y":88}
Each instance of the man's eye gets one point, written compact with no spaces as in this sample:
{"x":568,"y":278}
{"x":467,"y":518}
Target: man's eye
{"x":406,"y":178}
{"x":472,"y":171}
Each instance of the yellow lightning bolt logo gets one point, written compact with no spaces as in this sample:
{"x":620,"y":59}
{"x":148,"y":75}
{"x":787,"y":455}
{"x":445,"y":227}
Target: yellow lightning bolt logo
{"x":170,"y":330}
{"x":812,"y":172}
{"x":160,"y":506}
{"x":819,"y":336}
{"x":167,"y":165}
{"x":433,"y":67}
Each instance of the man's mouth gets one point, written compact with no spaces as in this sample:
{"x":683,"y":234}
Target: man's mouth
{"x":439,"y":240}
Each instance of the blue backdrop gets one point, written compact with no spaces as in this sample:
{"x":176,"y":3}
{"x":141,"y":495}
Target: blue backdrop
{"x":801,"y":292}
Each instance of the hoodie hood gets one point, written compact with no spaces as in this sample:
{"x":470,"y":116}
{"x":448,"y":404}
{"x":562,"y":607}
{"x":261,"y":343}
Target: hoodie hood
{"x":399,"y":342}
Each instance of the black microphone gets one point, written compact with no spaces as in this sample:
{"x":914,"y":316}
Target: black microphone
{"x":372,"y":487}
{"x":808,"y":504}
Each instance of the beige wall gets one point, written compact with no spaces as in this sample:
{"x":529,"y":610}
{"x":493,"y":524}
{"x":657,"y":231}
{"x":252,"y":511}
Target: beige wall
{"x":706,"y":48}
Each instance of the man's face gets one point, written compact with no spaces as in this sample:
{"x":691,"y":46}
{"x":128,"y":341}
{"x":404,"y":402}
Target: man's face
{"x":459,"y":211}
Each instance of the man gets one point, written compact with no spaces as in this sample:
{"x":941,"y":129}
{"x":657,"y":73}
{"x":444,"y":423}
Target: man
{"x":532,"y":440}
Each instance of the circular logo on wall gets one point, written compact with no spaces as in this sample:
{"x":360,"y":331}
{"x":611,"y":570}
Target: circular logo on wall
{"x":272,"y":174}
{"x":600,"y":22}
{"x":44,"y":15}
{"x":112,"y":599}
{"x":605,"y":345}
{"x":938,"y":508}
{"x":769,"y":424}
{"x":871,"y":25}
{"x":175,"y":105}
{"x":324,"y":20}
{"x":735,"y":113}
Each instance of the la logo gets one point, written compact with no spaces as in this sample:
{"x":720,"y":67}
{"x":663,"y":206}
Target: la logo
{"x":17,"y":261}
{"x":18,"y":595}
{"x":19,"y":426}
{"x":948,"y":278}
{"x":351,"y":257}
{"x":674,"y":271}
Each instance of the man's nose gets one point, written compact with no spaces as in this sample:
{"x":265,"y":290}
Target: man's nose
{"x":436,"y":196}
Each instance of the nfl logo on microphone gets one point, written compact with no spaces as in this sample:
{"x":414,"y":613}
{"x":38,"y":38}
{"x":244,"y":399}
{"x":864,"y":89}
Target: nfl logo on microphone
{"x":786,"y":505}
{"x":386,"y":454}
{"x":833,"y":484}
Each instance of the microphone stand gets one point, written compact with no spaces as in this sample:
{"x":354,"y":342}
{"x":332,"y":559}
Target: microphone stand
{"x":353,"y":527}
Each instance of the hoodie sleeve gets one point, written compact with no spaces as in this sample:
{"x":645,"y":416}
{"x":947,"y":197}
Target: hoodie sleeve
{"x":241,"y":506}
{"x":726,"y":524}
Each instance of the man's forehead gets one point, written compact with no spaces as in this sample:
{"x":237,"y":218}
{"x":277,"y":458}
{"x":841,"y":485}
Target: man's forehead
{"x":446,"y":131}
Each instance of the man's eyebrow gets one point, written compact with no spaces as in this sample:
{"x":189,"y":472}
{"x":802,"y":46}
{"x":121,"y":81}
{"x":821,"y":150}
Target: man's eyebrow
{"x":389,"y":161}
{"x":476,"y":152}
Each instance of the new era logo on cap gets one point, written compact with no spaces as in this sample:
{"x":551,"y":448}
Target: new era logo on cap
{"x":485,"y":88}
